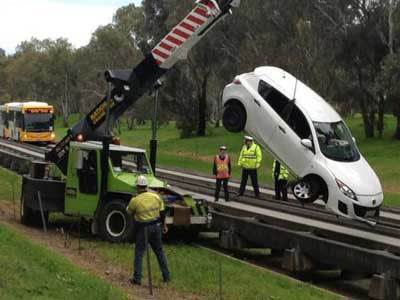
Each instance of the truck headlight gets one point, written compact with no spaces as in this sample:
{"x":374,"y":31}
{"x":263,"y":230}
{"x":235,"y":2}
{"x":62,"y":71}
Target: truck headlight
{"x":346,"y":190}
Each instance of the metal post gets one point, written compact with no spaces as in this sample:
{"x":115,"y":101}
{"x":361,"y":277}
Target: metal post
{"x":153,"y":141}
{"x":13,"y":199}
{"x":79,"y":238}
{"x":109,"y":86}
{"x":220,"y":279}
{"x":41,"y":211}
{"x":146,"y":243}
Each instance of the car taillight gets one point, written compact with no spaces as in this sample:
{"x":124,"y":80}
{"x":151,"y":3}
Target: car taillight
{"x":236,"y":81}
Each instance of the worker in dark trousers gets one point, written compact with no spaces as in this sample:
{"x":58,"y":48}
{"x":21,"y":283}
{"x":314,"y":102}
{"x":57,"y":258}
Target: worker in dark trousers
{"x":222,"y":172}
{"x":250,"y":160}
{"x":149,"y":215}
{"x":281,"y":177}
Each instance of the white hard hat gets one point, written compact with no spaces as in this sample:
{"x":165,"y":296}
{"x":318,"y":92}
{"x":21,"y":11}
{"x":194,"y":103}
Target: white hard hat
{"x":248,"y":138}
{"x":141,"y":181}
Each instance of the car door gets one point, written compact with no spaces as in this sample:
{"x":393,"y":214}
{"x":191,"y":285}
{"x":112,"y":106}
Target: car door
{"x":267,"y":102}
{"x":286,"y":141}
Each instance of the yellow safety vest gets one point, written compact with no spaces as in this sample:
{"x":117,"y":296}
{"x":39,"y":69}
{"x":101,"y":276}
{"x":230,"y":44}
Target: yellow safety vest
{"x":250,"y":158}
{"x":146,"y":207}
{"x":283,"y":174}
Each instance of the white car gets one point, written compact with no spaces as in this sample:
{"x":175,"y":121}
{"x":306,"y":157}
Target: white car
{"x":307,"y":135}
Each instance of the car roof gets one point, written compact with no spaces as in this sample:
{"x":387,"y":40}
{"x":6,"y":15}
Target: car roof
{"x":306,"y":99}
{"x":94,"y":145}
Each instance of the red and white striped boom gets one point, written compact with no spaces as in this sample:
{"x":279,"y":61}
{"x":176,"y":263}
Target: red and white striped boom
{"x":176,"y":44}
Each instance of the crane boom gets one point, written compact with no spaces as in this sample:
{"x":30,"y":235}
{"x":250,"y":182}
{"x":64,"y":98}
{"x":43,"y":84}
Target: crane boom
{"x":127,"y":86}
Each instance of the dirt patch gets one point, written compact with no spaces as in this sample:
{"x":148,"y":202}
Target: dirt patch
{"x":86,"y":258}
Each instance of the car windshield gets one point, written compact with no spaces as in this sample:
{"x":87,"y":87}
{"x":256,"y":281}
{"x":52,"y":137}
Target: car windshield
{"x":132,"y":162}
{"x":38,"y":122}
{"x":336,"y":142}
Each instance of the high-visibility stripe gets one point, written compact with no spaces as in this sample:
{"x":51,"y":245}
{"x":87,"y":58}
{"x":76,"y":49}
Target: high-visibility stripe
{"x":195,"y":20}
{"x":181,"y":33}
{"x":177,"y":37}
{"x":200,"y":17}
{"x":193,"y":24}
{"x":165,"y":46}
{"x":160,"y":53}
{"x":169,"y":53}
{"x":174,"y":40}
{"x":165,"y":41}
{"x":158,"y":58}
{"x":187,"y":26}
{"x":201,"y":12}
{"x":188,"y":32}
{"x":210,"y":5}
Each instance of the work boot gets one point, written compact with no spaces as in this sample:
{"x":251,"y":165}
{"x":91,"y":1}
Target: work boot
{"x":134,"y":281}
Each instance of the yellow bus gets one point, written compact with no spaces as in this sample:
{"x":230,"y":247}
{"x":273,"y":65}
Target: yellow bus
{"x":27,"y":122}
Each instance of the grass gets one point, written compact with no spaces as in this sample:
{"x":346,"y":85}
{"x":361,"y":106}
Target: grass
{"x":29,"y":271}
{"x":196,"y":270}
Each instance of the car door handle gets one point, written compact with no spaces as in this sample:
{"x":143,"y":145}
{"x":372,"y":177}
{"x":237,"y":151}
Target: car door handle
{"x":256,"y":102}
{"x":282,"y":129}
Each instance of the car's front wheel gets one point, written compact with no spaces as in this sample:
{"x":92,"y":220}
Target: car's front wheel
{"x":306,"y":190}
{"x":115,"y":224}
{"x":234,"y":117}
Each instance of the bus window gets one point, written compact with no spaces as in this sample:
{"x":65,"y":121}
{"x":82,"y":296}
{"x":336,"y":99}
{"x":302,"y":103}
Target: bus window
{"x":19,"y":120}
{"x":38,"y":122}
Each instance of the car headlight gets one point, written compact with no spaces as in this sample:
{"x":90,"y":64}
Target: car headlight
{"x":346,"y":190}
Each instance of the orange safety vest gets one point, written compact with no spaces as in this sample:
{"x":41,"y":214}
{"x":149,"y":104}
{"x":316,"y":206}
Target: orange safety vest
{"x":222,"y":167}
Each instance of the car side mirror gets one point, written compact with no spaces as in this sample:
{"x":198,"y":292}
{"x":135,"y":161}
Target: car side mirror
{"x":354,"y":139}
{"x":307,"y":143}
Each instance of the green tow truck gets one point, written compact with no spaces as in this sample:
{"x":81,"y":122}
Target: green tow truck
{"x":79,"y":193}
{"x":88,"y":175}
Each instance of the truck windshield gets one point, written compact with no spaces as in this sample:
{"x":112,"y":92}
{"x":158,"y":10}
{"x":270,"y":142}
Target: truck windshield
{"x":38,"y":122}
{"x":336,"y":142}
{"x":132,"y":162}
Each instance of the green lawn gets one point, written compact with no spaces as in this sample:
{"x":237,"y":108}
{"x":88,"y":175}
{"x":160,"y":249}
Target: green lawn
{"x":196,"y":270}
{"x":29,"y":271}
{"x":197,"y":153}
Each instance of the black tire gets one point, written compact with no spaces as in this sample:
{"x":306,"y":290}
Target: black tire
{"x":115,"y":224}
{"x":234,"y":117}
{"x":31,"y":217}
{"x":306,"y":190}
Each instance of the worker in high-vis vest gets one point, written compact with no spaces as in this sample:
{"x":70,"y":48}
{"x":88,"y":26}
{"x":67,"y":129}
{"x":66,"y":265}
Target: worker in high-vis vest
{"x":222,"y":172}
{"x":250,"y":160}
{"x":149,"y":216}
{"x":281,"y":177}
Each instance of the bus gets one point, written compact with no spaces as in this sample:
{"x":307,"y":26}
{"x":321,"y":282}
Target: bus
{"x":27,"y":122}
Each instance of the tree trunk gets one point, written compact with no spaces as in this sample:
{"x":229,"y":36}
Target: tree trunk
{"x":381,"y":114}
{"x":397,"y":132}
{"x":368,"y":125}
{"x":201,"y":128}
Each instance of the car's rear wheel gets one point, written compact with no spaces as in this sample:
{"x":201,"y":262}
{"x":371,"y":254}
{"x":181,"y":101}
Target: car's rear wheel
{"x":234,"y":117}
{"x":306,"y":190}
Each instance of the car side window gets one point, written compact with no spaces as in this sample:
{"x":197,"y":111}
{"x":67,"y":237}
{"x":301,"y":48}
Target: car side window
{"x":298,"y":122}
{"x":275,"y":99}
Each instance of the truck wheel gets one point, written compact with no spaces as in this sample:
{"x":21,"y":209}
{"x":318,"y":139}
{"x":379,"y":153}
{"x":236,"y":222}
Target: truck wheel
{"x":115,"y":224}
{"x":306,"y":191}
{"x":31,"y":217}
{"x":234,"y":117}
